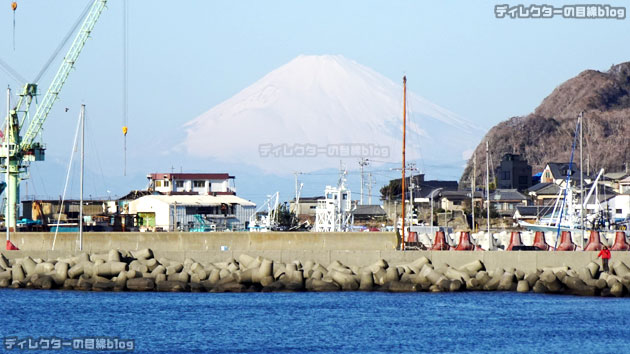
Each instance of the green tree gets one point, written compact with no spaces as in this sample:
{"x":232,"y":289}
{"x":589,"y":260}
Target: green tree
{"x":286,"y":218}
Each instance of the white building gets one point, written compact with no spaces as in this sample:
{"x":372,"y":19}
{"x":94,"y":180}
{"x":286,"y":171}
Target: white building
{"x":192,"y":183}
{"x":619,"y":207}
{"x":192,"y":212}
{"x":334,"y":213}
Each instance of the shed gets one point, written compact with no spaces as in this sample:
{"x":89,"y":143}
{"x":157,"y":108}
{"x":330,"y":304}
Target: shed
{"x":187,"y":212}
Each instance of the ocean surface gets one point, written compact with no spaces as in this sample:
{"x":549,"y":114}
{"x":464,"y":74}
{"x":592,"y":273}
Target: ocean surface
{"x":347,"y":322}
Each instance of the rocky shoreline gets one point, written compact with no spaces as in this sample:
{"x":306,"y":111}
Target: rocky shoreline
{"x":141,"y":271}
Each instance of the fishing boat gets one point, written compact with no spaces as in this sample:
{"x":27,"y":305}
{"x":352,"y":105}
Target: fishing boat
{"x":570,"y":211}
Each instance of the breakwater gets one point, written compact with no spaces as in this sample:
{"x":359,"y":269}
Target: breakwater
{"x":206,"y":241}
{"x":143,"y":270}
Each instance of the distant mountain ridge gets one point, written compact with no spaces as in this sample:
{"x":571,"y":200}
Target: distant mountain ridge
{"x":546,"y":135}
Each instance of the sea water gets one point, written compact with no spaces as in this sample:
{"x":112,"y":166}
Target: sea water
{"x":348,"y":322}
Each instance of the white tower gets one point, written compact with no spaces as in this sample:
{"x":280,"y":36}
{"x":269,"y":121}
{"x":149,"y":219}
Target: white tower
{"x":335,"y":212}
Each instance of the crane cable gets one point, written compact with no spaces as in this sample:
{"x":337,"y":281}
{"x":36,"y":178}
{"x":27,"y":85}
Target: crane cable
{"x":62,"y":44}
{"x":14,"y":7}
{"x":125,"y":86}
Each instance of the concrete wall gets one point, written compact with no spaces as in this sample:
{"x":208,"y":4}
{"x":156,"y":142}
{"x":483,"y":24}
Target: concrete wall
{"x":211,"y":241}
{"x":358,"y":248}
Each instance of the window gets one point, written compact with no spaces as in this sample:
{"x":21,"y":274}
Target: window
{"x":198,"y":184}
{"x":158,"y":183}
{"x":179,"y":184}
{"x":167,"y":183}
{"x":618,"y":211}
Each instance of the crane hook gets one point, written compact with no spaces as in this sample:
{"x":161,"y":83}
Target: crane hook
{"x":14,"y":6}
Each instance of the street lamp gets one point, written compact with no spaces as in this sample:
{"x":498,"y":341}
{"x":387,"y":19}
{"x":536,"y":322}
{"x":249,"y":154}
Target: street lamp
{"x":431,"y":196}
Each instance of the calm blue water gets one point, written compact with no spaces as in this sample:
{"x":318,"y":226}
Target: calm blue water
{"x":325,"y":322}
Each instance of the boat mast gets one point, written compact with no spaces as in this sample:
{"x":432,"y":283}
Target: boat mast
{"x":7,"y":132}
{"x":472,"y":188}
{"x":488,"y":195}
{"x":81,"y":180}
{"x":581,"y":181}
{"x":402,"y":244}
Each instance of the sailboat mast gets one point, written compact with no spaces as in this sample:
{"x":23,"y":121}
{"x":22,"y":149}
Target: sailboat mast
{"x":488,"y":194}
{"x":581,"y":182}
{"x":402,"y":244}
{"x":7,"y":141}
{"x":472,"y":191}
{"x":81,"y":181}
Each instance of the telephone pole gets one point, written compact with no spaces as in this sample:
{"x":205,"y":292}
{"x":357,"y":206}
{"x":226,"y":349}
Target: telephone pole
{"x":370,"y":188}
{"x":297,"y":194}
{"x":363,"y":162}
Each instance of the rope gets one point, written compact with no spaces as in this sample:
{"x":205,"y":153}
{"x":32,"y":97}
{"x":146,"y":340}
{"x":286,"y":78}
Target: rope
{"x":14,"y":30}
{"x":12,"y":73}
{"x":62,"y":44}
{"x":65,"y":187}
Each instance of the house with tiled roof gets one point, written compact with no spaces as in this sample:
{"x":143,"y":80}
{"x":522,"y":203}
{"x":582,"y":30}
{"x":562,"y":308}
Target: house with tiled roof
{"x":506,"y":200}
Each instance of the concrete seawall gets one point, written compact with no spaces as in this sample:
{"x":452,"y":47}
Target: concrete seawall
{"x":361,"y":248}
{"x":210,"y":241}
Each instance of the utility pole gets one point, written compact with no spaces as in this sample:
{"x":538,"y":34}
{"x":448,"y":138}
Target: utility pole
{"x":363,"y":162}
{"x":370,"y":188}
{"x":297,"y":197}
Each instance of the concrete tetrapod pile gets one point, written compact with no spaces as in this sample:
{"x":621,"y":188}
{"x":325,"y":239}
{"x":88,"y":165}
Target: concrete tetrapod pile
{"x":141,"y":271}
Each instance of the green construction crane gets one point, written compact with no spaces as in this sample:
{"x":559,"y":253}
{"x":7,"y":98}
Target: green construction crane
{"x":22,"y":150}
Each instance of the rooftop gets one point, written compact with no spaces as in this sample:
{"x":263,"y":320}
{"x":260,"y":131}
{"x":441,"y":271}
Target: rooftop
{"x":198,"y":200}
{"x":186,"y":176}
{"x":369,"y":210}
{"x":560,"y":170}
{"x":537,"y":211}
{"x":544,"y":189}
{"x":507,"y":195}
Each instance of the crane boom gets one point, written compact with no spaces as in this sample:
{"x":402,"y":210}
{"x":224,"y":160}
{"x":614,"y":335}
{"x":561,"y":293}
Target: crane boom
{"x":62,"y":74}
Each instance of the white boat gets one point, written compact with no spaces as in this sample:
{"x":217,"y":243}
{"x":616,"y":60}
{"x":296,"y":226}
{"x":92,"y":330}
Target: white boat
{"x":570,"y":212}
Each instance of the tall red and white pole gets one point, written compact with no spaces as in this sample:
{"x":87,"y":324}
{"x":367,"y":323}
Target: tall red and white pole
{"x":402,"y":243}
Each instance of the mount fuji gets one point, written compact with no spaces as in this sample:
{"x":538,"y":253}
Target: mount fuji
{"x":314,"y":111}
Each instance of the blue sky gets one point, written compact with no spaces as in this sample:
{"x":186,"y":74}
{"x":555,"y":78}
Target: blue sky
{"x":185,"y":57}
